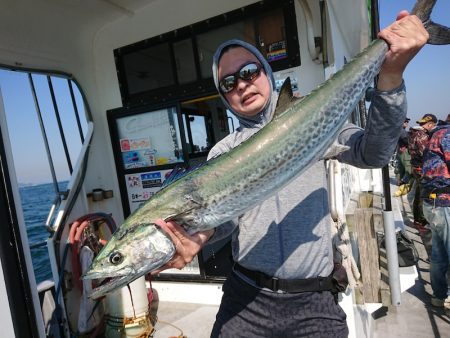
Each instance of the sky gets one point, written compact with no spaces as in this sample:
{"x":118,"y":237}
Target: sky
{"x":28,"y":147}
{"x":426,"y":77}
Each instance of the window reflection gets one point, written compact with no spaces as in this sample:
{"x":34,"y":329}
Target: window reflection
{"x":184,"y":61}
{"x":208,"y":42}
{"x":149,"y":69}
{"x":198,"y":132}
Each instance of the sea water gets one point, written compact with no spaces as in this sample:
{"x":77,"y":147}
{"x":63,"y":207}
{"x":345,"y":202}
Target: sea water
{"x":36,"y":203}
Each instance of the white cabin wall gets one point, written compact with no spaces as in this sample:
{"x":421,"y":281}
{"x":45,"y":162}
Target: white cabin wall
{"x":310,"y":73}
{"x":348,"y":40}
{"x":47,"y":35}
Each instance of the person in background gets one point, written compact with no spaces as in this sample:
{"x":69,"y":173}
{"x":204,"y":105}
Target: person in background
{"x":403,"y":169}
{"x":281,"y":284}
{"x":436,"y":207}
{"x":441,"y":123}
{"x":417,"y":142}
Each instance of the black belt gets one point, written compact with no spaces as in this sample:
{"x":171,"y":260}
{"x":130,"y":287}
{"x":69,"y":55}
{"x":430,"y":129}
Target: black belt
{"x":287,"y":285}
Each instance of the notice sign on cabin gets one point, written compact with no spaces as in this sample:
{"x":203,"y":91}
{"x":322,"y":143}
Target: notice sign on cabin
{"x":149,"y":139}
{"x":142,"y":186}
{"x":276,"y":51}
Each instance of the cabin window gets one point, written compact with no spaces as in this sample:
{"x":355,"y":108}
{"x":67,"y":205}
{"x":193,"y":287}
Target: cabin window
{"x":149,"y":68}
{"x":198,"y":132}
{"x":149,"y":139}
{"x":184,"y":61}
{"x":208,"y":42}
{"x":271,"y":36}
{"x":177,"y":65}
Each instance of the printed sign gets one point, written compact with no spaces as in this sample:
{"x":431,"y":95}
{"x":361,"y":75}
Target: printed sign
{"x":139,"y":159}
{"x":276,"y":51}
{"x":142,"y":186}
{"x":150,"y":139}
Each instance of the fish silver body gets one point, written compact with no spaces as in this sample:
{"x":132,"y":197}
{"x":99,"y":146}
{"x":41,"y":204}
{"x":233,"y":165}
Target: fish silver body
{"x":225,"y":187}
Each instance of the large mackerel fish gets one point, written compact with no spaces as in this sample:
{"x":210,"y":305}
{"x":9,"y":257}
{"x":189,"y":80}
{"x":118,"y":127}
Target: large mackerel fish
{"x":300,"y":133}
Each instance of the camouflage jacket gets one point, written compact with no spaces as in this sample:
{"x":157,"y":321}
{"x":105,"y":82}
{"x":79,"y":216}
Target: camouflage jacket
{"x":436,"y":173}
{"x":417,"y":142}
{"x":402,"y":145}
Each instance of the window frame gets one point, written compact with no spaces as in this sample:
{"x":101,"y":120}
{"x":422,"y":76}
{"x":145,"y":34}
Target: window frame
{"x":204,"y":86}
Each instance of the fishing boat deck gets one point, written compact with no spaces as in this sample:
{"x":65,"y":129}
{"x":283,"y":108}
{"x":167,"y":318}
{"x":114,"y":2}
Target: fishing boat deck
{"x":191,"y":320}
{"x":415,"y":317}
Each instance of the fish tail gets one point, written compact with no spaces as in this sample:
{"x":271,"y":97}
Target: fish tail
{"x":439,"y":34}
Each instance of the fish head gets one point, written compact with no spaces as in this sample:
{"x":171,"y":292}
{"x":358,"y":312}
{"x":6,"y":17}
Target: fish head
{"x":131,"y":253}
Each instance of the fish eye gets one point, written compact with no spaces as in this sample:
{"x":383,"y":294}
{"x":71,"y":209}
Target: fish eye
{"x":115,"y":258}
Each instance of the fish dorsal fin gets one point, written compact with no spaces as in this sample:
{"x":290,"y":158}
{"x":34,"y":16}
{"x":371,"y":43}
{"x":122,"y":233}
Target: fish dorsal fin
{"x":174,"y":175}
{"x":284,"y":98}
{"x":179,"y":172}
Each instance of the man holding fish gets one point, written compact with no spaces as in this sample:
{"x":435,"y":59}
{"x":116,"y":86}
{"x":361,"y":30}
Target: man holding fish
{"x":281,"y":283}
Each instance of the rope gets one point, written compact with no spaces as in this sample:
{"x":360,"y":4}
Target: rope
{"x":119,"y":324}
{"x":181,"y":335}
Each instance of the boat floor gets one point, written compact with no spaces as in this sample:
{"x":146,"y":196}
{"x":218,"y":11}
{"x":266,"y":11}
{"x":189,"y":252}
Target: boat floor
{"x":415,"y":317}
{"x":185,"y":320}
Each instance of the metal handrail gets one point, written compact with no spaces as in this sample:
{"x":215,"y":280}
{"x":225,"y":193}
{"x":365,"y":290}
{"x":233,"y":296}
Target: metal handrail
{"x":44,"y":135}
{"x":60,"y":127}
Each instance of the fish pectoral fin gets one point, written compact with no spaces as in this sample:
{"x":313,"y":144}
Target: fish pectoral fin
{"x":181,"y":217}
{"x":439,"y":34}
{"x":184,"y":214}
{"x":334,"y":150}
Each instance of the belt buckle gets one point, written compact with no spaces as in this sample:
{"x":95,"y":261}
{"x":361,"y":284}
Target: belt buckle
{"x":274,"y":283}
{"x":321,"y":281}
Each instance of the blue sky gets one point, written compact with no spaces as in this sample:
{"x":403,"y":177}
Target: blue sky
{"x":427,"y":76}
{"x":427,"y":81}
{"x":29,"y":153}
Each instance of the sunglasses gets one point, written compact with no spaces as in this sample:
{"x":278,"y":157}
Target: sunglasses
{"x":249,"y":72}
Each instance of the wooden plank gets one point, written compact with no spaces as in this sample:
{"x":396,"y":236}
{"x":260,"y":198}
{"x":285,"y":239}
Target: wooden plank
{"x":377,"y":209}
{"x":378,"y":225}
{"x":365,"y":200}
{"x":350,"y":211}
{"x":385,"y":291}
{"x":368,"y":253}
{"x":364,"y":217}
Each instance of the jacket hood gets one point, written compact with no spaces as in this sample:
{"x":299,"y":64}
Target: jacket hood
{"x":263,"y":117}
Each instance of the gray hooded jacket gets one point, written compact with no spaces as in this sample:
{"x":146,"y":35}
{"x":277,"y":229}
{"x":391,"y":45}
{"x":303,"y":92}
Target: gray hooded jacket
{"x":288,"y":235}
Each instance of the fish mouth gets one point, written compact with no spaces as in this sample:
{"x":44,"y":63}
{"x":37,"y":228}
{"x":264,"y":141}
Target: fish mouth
{"x":110,"y":284}
{"x":100,"y":275}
